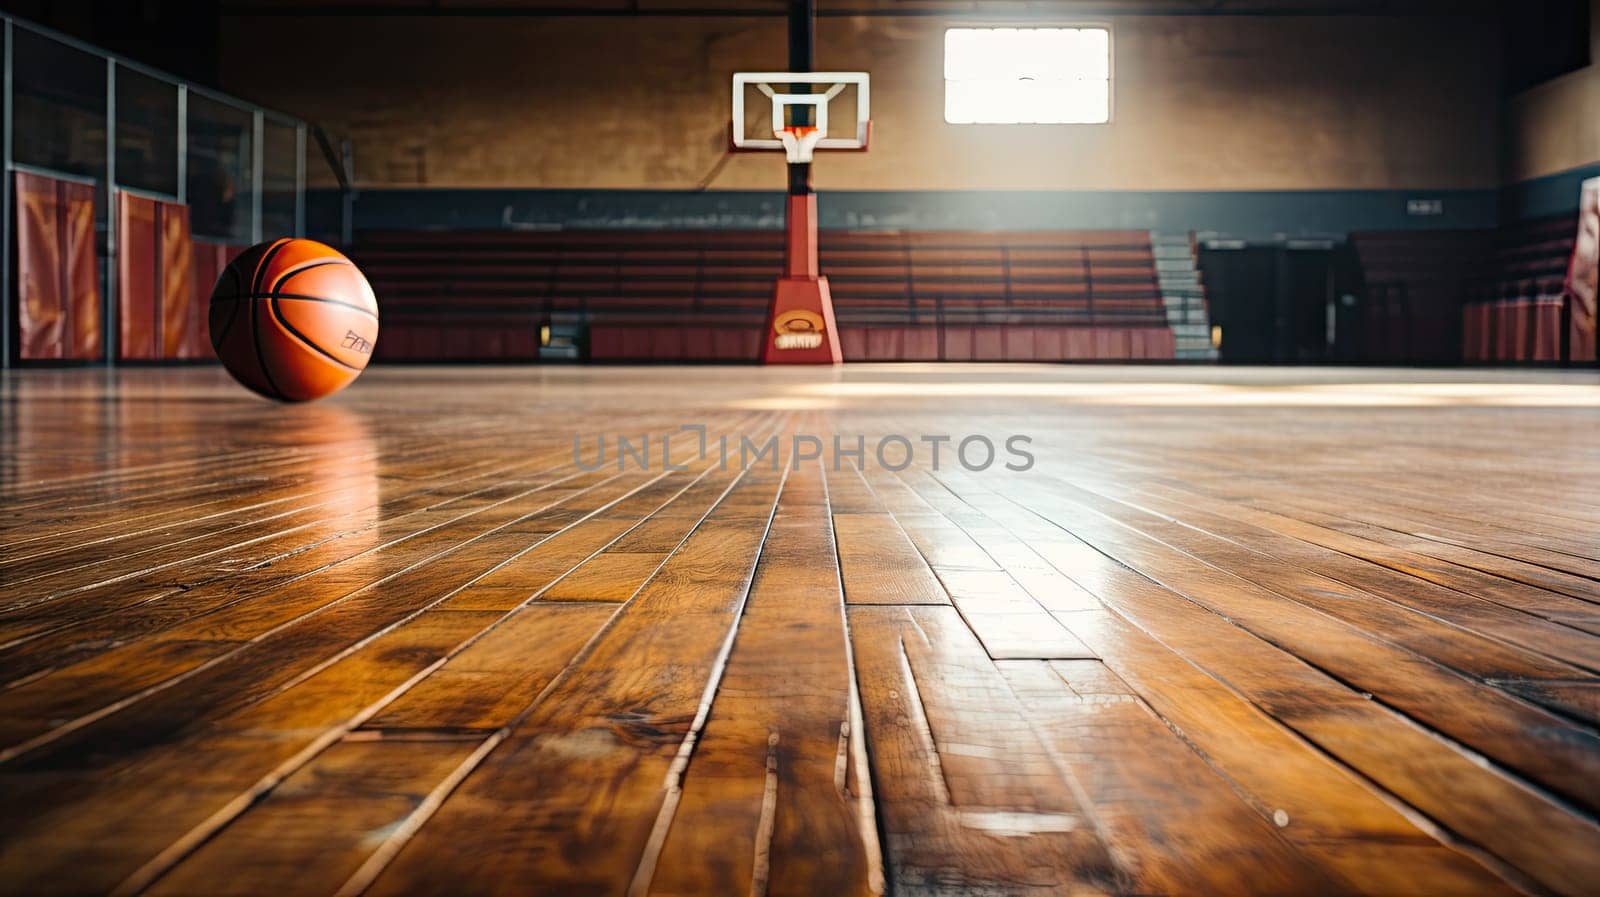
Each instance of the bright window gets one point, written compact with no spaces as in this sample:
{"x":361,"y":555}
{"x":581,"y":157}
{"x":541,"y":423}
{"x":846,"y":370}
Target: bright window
{"x":1027,"y":76}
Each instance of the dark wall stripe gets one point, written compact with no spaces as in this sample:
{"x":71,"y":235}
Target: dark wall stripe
{"x":1241,"y":214}
{"x":1264,"y":214}
{"x":1555,"y":194}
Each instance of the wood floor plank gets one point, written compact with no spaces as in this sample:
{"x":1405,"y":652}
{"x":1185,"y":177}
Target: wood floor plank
{"x":485,"y":686}
{"x":60,"y":634}
{"x":1476,"y":637}
{"x":313,"y":831}
{"x":213,"y":503}
{"x":1510,"y":568}
{"x":971,"y":801}
{"x":318,"y":469}
{"x":1501,"y":537}
{"x":1253,"y":633}
{"x":532,"y":824}
{"x":1437,"y":778}
{"x":880,"y":565}
{"x":771,"y":802}
{"x":325,"y":713}
{"x":1565,"y":757}
{"x":1325,"y":809}
{"x":1006,"y":619}
{"x":47,"y":578}
{"x":210,"y":503}
{"x":1331,"y":805}
{"x":330,"y":538}
{"x":44,"y":705}
{"x":944,"y":543}
{"x":151,"y":803}
{"x":1172,"y":821}
{"x":1485,"y":618}
{"x":617,"y":572}
{"x":1522,"y":523}
{"x":1559,"y":608}
{"x":274,"y":637}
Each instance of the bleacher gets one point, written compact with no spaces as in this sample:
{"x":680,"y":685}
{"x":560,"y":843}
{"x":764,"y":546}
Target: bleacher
{"x":1414,"y":283}
{"x":1518,"y":312}
{"x":702,"y":296}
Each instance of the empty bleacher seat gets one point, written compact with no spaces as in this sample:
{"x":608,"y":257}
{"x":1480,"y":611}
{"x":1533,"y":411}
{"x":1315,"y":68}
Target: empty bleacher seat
{"x":1415,"y":282}
{"x":702,"y":296}
{"x":1517,"y":311}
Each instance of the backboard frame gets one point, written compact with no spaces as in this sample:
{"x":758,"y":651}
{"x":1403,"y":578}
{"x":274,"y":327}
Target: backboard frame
{"x":798,"y":142}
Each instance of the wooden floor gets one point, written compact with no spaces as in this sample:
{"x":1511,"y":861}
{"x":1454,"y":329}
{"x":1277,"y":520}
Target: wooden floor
{"x":1236,"y":632}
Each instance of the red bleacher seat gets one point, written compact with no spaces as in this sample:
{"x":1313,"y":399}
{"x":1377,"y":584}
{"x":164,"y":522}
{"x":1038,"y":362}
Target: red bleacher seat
{"x":702,"y":296}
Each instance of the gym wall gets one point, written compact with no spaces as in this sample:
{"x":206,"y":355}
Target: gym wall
{"x":1553,"y":138}
{"x":1285,"y":103}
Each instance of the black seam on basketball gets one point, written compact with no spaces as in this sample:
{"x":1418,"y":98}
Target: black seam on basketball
{"x":266,"y":259}
{"x":217,"y":338}
{"x":272,"y":304}
{"x":232,"y":273}
{"x":283,"y":278}
{"x":261,"y":359}
{"x":304,"y":298}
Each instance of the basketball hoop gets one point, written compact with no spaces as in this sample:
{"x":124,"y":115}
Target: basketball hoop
{"x":800,"y":324}
{"x":800,"y":141}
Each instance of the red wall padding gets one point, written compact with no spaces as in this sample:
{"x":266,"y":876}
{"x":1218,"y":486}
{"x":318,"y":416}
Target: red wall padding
{"x":184,"y":332}
{"x":1475,"y":332}
{"x":161,"y":309}
{"x":1513,"y":330}
{"x":980,"y":342}
{"x":1521,"y":317}
{"x":674,"y":343}
{"x":58,"y":286}
{"x":137,"y":308}
{"x":488,"y":337}
{"x":896,"y":343}
{"x":209,"y":261}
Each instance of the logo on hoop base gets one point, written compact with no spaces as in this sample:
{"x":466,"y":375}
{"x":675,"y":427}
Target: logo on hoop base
{"x":798,"y":329}
{"x":802,"y":330}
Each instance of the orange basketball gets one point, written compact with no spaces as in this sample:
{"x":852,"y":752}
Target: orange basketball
{"x":293,"y":320}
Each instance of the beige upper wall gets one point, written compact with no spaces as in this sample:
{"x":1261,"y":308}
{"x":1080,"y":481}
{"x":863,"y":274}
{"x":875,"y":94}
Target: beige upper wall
{"x":1556,"y":126}
{"x":1224,"y":103}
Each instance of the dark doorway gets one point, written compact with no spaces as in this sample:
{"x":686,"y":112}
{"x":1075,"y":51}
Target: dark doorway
{"x":1278,"y":303}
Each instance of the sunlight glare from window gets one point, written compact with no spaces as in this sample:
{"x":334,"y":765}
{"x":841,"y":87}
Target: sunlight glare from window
{"x":1027,"y":76}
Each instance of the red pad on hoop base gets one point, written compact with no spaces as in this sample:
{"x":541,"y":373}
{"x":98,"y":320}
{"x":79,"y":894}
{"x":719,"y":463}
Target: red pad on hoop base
{"x":800,"y":325}
{"x":802,"y":330}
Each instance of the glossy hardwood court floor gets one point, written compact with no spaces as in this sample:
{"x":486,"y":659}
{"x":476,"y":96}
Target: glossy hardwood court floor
{"x":1234,"y":632}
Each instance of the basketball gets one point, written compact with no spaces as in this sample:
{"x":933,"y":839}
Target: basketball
{"x":293,"y":320}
